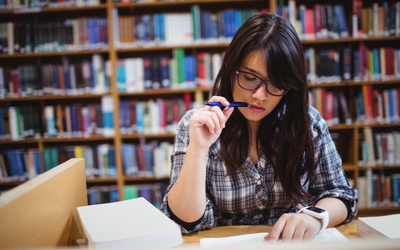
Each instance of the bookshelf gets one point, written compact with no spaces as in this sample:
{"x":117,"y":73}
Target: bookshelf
{"x":348,"y":133}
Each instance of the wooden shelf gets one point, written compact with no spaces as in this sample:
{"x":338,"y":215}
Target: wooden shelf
{"x":149,"y":136}
{"x":101,"y":179}
{"x":391,"y":208}
{"x":174,"y":3}
{"x":350,"y":39}
{"x":72,"y":139}
{"x":164,"y":91}
{"x":170,"y":47}
{"x":11,"y":183}
{"x":348,"y":167}
{"x":341,"y":126}
{"x":145,"y":178}
{"x":351,"y":83}
{"x":53,"y":9}
{"x":61,"y":53}
{"x":52,"y":97}
{"x":361,"y":168}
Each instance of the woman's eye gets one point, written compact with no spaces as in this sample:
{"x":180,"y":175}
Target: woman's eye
{"x":250,"y":79}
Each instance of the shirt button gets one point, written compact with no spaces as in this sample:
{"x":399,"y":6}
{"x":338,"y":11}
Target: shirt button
{"x":258,"y":182}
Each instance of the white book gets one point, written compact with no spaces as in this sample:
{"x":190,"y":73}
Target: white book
{"x":361,"y":191}
{"x":216,"y":65}
{"x":207,"y":66}
{"x":132,"y":223}
{"x":379,"y":119}
{"x":73,"y":90}
{"x":139,"y":73}
{"x":12,"y":113}
{"x":10,"y":37}
{"x":130,"y":75}
{"x":390,"y":149}
{"x":385,"y":227}
{"x":293,"y":13}
{"x":375,"y":18}
{"x":154,"y":117}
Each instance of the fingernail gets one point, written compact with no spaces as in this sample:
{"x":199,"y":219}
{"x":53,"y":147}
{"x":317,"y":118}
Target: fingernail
{"x":223,"y":125}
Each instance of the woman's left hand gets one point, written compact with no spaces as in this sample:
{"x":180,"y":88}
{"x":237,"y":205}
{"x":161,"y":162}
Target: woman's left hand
{"x":294,"y":227}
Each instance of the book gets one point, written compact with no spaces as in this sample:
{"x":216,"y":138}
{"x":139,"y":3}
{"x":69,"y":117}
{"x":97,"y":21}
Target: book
{"x":131,"y":223}
{"x":384,"y":227}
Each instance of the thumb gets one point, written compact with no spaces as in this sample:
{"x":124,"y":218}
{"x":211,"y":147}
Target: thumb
{"x":228,"y":112}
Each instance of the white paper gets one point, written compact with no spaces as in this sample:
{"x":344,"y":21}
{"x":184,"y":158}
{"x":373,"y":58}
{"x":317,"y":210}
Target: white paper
{"x":331,"y":234}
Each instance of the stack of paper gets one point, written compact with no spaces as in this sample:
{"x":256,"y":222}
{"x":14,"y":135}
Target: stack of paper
{"x":132,"y":223}
{"x":379,"y":227}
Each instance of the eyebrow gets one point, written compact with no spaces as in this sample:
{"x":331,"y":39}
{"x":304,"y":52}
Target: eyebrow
{"x":255,"y":72}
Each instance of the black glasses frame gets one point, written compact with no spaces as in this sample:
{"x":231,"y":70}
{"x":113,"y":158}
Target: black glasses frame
{"x":261,"y":82}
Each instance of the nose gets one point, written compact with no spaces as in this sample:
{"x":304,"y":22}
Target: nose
{"x":261,"y":93}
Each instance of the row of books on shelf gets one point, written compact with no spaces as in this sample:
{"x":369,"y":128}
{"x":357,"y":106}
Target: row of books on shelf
{"x":332,"y":106}
{"x":29,"y":4}
{"x":86,"y":33}
{"x":329,"y":21}
{"x":180,"y":72}
{"x":141,"y":160}
{"x":155,"y":116}
{"x":377,"y":189}
{"x":67,"y":78}
{"x":153,"y":193}
{"x":378,"y":64}
{"x":62,"y":121}
{"x":377,"y":106}
{"x":378,"y":149}
{"x":178,"y":28}
{"x":370,"y":106}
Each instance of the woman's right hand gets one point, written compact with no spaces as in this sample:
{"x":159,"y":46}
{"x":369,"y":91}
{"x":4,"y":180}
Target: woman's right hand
{"x":206,"y":124}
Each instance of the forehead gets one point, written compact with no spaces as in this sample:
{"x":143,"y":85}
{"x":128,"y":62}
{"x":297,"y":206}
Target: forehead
{"x":255,"y":63}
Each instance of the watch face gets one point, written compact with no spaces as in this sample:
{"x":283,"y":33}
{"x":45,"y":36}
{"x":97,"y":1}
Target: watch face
{"x":315,"y":209}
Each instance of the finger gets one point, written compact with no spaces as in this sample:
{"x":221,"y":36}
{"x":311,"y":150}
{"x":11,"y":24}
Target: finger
{"x":220,"y":115}
{"x":220,"y":99}
{"x":266,"y":237}
{"x":310,"y":234}
{"x":228,"y":112}
{"x":299,"y":232}
{"x":288,"y":231}
{"x":204,"y":120}
{"x":214,"y":117}
{"x":276,"y":231}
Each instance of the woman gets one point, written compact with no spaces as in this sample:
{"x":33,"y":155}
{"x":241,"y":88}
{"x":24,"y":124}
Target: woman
{"x":259,"y":164}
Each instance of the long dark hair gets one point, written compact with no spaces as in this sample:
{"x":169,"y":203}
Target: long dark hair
{"x":284,"y":134}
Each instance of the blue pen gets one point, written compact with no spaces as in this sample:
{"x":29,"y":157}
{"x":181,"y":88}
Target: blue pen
{"x":233,"y":104}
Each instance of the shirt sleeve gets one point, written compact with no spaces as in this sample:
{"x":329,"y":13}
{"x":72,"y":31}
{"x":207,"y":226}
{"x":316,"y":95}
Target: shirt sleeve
{"x":329,"y":178}
{"x":178,"y":157}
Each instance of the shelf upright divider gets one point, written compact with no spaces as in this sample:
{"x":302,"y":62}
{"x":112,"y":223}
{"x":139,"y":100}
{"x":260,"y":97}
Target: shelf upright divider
{"x":117,"y":136}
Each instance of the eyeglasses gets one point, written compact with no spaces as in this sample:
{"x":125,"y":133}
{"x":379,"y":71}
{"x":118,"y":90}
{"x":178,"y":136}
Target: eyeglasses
{"x":249,"y":81}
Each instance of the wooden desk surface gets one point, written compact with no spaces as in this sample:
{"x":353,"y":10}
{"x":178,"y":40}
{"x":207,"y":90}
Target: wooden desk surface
{"x":348,"y":230}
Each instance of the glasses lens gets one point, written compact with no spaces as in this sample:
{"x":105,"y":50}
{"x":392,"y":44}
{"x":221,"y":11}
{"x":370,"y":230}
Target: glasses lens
{"x":274,"y":90}
{"x":248,"y":81}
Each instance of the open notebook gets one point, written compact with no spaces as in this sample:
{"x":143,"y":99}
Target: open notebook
{"x":132,"y":223}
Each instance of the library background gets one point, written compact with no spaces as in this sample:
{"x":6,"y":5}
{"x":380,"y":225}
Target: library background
{"x":108,"y":81}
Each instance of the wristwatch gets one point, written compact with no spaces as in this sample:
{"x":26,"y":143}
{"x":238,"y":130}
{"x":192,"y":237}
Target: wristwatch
{"x":318,"y":213}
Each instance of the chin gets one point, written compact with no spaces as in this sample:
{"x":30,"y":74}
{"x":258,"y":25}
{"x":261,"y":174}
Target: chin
{"x":255,"y":117}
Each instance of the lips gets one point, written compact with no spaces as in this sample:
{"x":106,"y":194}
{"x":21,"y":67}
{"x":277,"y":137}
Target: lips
{"x":257,"y":108}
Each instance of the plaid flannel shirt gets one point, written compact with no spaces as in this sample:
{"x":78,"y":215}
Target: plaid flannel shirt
{"x":250,"y":196}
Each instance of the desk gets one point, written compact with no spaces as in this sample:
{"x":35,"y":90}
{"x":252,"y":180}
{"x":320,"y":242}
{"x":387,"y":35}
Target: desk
{"x":348,"y":230}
